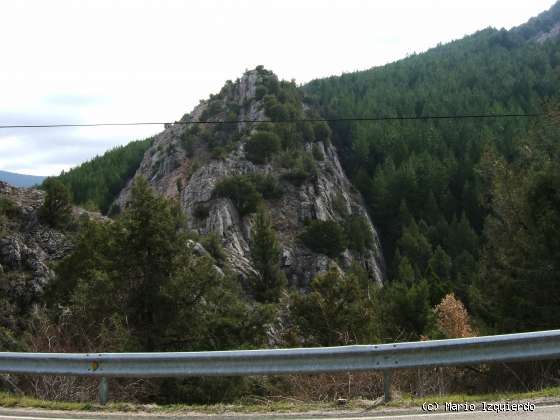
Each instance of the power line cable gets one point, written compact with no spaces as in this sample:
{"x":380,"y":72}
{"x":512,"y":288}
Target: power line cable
{"x":350,"y":119}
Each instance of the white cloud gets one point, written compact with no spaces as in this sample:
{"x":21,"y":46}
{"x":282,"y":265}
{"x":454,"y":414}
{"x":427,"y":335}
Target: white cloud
{"x":148,"y":60}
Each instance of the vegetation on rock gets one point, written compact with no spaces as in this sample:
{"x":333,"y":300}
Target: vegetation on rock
{"x":325,"y":237}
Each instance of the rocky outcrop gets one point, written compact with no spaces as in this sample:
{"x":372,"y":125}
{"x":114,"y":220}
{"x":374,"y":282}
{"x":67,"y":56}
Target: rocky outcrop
{"x":553,"y":33}
{"x":190,"y":175}
{"x":27,"y":247}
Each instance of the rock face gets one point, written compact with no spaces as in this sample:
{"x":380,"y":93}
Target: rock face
{"x":26,"y":246}
{"x":189,"y":172}
{"x":553,"y":33}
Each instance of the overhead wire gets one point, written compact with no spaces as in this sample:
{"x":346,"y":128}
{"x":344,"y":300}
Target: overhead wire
{"x":287,"y":121}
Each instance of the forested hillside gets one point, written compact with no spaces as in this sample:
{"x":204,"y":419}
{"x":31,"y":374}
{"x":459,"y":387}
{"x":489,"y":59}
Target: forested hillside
{"x":430,"y":184}
{"x":96,"y":183}
{"x":250,"y":235}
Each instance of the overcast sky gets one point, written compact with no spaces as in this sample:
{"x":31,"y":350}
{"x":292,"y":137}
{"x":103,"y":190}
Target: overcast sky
{"x":73,"y":61}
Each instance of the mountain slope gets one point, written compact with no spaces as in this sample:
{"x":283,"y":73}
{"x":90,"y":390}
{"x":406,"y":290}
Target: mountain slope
{"x":20,"y":180}
{"x":543,"y":27}
{"x":219,"y":174}
{"x":427,"y":182}
{"x":97,"y":182}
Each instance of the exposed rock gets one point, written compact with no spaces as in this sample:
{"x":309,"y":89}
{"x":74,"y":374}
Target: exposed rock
{"x":191,"y":179}
{"x":553,"y":33}
{"x":27,"y":247}
{"x":198,"y":249}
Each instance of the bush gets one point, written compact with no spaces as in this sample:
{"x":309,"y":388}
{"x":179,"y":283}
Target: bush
{"x":340,"y":309}
{"x":56,"y":211}
{"x":214,"y":246}
{"x":358,"y":233}
{"x":317,"y":153}
{"x":324,"y":237}
{"x":7,"y":207}
{"x":322,"y":131}
{"x":302,"y":167}
{"x":306,"y":128}
{"x":214,"y":108}
{"x":241,"y":191}
{"x":218,"y":152}
{"x":266,"y":254}
{"x":260,"y":91}
{"x":188,"y":142}
{"x":201,"y":211}
{"x":261,"y":146}
{"x":267,"y":185}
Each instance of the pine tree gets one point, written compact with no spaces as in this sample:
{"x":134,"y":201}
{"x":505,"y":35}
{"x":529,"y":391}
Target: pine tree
{"x":266,"y":255}
{"x":56,"y":210}
{"x":149,"y":241}
{"x":339,"y":309}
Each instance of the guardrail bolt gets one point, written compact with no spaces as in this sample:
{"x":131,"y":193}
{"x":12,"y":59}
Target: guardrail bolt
{"x":103,"y":391}
{"x":387,"y":382}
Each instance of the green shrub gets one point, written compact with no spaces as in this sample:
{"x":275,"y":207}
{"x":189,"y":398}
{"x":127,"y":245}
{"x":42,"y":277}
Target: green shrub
{"x":266,"y":254}
{"x":339,"y":205}
{"x":214,"y":108}
{"x":56,"y":210}
{"x":322,"y":131}
{"x":267,"y":185}
{"x":188,"y":142}
{"x":278,"y":112}
{"x":358,"y":233}
{"x":324,"y":237}
{"x":302,"y":168}
{"x":260,"y":91}
{"x":7,"y":207}
{"x":7,"y":210}
{"x":306,"y":129}
{"x":262,"y":146}
{"x":214,"y":246}
{"x":241,"y":191}
{"x":340,"y":309}
{"x":218,"y":152}
{"x":317,"y":153}
{"x":194,"y":166}
{"x":201,"y":211}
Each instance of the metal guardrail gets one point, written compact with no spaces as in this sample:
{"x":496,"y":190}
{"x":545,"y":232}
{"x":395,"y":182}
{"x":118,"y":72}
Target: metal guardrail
{"x":386,"y":357}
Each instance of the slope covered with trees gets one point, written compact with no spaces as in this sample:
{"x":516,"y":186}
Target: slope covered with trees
{"x":96,"y":183}
{"x":427,"y":182}
{"x":468,"y":211}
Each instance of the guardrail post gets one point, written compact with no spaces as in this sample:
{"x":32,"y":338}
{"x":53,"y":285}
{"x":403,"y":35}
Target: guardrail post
{"x":103,"y":391}
{"x":387,"y":382}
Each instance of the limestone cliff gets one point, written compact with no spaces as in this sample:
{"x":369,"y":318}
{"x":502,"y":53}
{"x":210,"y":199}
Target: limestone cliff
{"x":188,"y":159}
